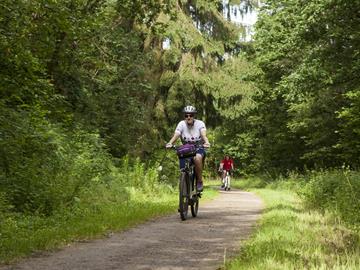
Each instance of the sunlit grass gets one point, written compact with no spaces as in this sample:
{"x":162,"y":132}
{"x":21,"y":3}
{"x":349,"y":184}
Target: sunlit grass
{"x":290,"y":237}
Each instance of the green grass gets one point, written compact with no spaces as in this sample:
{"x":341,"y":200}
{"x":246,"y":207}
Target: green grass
{"x":22,"y":236}
{"x":291,"y":237}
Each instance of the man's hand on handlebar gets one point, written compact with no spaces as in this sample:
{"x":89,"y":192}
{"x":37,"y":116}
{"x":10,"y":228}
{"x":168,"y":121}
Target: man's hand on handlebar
{"x":168,"y":145}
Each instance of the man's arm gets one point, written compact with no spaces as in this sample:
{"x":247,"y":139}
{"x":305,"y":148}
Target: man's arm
{"x":173,"y":139}
{"x":221,"y":166}
{"x":204,"y":137}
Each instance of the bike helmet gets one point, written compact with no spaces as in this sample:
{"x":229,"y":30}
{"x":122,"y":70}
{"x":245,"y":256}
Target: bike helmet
{"x":189,"y":109}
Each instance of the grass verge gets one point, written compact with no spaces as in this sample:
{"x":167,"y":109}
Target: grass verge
{"x":292,"y":237}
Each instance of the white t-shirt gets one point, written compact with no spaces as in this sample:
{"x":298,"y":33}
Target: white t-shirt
{"x":190,"y":133}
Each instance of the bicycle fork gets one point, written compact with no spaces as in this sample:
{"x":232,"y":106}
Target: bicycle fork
{"x":227,"y":181}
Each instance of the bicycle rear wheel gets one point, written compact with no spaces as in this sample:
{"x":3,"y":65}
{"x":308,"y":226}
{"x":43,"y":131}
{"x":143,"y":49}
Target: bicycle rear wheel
{"x":184,"y":195}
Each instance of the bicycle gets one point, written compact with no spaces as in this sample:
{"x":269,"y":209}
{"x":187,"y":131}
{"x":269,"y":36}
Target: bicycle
{"x":227,"y":180}
{"x":188,"y":193}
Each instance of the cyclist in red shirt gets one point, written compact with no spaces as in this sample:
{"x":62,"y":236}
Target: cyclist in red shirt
{"x":227,"y":164}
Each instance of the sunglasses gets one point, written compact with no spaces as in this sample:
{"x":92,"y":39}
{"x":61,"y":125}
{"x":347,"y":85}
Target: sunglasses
{"x":189,"y":115}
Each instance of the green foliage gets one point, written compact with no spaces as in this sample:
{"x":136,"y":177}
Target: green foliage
{"x":292,"y":237}
{"x":70,"y":74}
{"x":46,"y":169}
{"x":84,"y":82}
{"x":350,"y":128}
{"x":191,"y":65}
{"x":292,"y":182}
{"x":304,"y":113}
{"x":332,"y":191}
{"x":167,"y":164}
{"x":250,"y":183}
{"x":335,"y":191}
{"x":232,"y":88}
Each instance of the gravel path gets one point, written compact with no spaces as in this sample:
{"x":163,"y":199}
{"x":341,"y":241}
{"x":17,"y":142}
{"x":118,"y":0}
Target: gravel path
{"x":165,"y":243}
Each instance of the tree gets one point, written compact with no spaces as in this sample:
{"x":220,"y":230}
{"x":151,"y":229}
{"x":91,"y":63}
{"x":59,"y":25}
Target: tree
{"x":307,"y":52}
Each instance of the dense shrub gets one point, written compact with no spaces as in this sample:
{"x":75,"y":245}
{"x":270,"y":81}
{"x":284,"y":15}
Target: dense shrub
{"x":337,"y":191}
{"x":43,"y":167}
{"x":167,"y":164}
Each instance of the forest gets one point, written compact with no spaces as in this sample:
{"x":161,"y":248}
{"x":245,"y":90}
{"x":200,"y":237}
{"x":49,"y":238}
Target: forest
{"x":91,"y":91}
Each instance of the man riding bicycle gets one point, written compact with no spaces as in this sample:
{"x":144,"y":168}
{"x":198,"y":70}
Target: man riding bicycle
{"x":192,"y":131}
{"x":227,"y":164}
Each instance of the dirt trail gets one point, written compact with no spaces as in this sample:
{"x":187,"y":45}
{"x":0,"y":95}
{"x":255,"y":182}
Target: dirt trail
{"x":164,"y":243}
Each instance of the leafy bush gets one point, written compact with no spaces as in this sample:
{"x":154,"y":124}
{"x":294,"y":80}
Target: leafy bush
{"x":43,"y":167}
{"x":167,"y":165}
{"x":5,"y":207}
{"x":337,"y":191}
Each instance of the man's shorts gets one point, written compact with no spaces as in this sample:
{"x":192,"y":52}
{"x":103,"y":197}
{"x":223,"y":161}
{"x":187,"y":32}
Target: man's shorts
{"x":200,"y":151}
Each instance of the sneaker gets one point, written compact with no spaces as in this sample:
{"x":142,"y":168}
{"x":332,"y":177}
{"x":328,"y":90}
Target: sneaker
{"x":199,"y":186}
{"x":222,"y":186}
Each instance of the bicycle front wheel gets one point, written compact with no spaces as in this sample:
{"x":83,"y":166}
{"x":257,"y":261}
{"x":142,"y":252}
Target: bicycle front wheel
{"x":184,"y":195}
{"x":195,"y":206}
{"x":227,"y":182}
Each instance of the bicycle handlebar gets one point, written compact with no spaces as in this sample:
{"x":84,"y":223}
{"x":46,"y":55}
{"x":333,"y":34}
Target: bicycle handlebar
{"x":198,"y":145}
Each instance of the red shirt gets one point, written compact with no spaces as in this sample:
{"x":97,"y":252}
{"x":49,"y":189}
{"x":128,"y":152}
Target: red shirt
{"x":227,"y":164}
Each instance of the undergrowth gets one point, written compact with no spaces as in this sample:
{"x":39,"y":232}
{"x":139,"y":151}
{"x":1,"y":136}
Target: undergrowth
{"x":309,"y":222}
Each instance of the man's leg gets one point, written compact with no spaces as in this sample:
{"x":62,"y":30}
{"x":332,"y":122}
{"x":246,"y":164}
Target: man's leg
{"x":198,"y":170}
